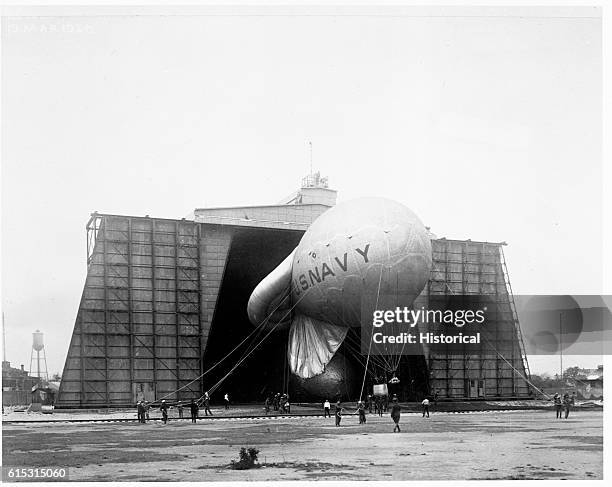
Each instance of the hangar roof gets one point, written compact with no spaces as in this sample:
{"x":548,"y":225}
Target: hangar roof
{"x":289,"y":217}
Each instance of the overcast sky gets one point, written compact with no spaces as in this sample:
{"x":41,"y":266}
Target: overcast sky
{"x":486,"y":123}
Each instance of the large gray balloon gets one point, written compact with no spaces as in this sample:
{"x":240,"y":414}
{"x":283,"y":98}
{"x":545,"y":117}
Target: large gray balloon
{"x":355,"y":255}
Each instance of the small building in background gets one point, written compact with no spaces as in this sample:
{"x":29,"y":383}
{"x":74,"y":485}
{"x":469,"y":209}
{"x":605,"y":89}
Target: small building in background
{"x":43,"y":396}
{"x":17,"y":385}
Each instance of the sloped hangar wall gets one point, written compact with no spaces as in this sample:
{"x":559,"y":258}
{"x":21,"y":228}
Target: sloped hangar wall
{"x":498,"y":368}
{"x":145,"y":312}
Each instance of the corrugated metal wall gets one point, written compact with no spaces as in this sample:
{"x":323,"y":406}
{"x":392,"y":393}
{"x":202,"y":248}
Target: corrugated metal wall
{"x":498,"y":369}
{"x":145,"y":312}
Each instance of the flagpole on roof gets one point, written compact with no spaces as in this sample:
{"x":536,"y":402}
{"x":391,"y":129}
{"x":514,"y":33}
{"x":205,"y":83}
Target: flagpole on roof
{"x":310,"y":144}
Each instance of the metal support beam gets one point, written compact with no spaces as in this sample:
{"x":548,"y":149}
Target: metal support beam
{"x":130,"y":305}
{"x":176,"y":307}
{"x":153,"y":305}
{"x":199,"y":277}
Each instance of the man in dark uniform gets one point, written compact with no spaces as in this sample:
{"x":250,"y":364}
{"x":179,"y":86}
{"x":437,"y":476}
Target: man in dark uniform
{"x":207,"y":410}
{"x":362,"y":415}
{"x":567,"y":402}
{"x":141,"y":412}
{"x":164,"y":410}
{"x":558,"y":405}
{"x":338,"y":413}
{"x":193,"y":408}
{"x":395,"y":415}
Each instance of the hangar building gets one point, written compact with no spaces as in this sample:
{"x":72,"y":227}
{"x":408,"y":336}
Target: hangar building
{"x":164,"y":300}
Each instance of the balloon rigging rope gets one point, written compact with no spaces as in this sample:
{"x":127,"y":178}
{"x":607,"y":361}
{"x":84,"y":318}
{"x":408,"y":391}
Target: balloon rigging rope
{"x":512,"y":366}
{"x":370,"y":345}
{"x":382,"y":361}
{"x":385,"y":220}
{"x":395,"y":360}
{"x":231,"y":371}
{"x":286,"y":372}
{"x":257,"y":330}
{"x":497,"y":351}
{"x":354,"y":346}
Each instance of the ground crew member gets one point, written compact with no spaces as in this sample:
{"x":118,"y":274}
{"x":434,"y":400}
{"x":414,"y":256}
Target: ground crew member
{"x":362,"y":415}
{"x":338,"y":413}
{"x":226,"y":400}
{"x":284,"y":403}
{"x":380,"y":406}
{"x":141,"y":412}
{"x":425,"y":404}
{"x":326,"y":408}
{"x":179,"y":406}
{"x":207,"y":410}
{"x":206,"y":404}
{"x":395,"y":415}
{"x":370,"y":403}
{"x":267,"y":405}
{"x":558,"y":405}
{"x":164,"y":410}
{"x":193,"y":407}
{"x":567,"y":402}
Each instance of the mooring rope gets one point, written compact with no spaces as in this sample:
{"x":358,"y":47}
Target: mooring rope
{"x":257,"y":329}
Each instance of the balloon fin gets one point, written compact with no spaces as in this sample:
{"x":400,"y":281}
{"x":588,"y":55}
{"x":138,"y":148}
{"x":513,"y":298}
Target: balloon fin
{"x":312,"y":344}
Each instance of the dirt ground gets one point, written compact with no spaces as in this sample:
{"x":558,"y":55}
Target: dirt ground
{"x":447,"y":446}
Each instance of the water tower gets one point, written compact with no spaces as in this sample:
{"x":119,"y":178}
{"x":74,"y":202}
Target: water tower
{"x":38,"y":346}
